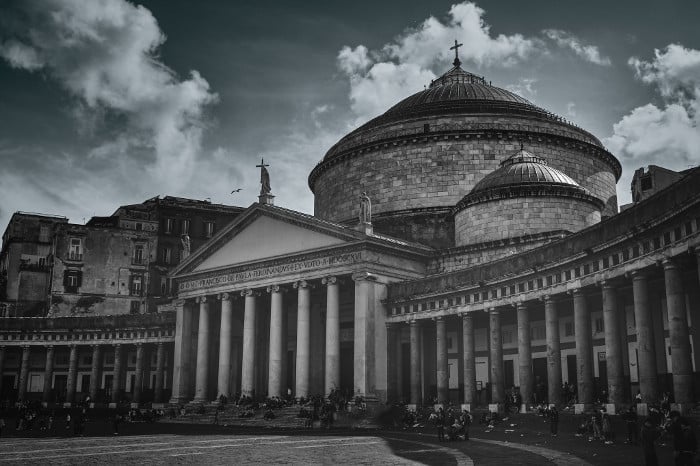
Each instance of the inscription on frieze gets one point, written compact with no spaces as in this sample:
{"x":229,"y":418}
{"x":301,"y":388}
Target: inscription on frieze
{"x":263,"y":272}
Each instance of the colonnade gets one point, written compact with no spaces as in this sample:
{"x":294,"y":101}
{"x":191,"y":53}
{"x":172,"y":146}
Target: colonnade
{"x":366,"y":296}
{"x":615,"y":339}
{"x":142,"y":370}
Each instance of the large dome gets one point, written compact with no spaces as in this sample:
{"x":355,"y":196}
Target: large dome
{"x":424,"y":154}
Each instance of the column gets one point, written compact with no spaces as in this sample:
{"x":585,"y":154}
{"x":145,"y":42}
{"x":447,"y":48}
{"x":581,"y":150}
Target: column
{"x":414,"y":327}
{"x":2,"y":364}
{"x":469,"y":359}
{"x":392,"y":331}
{"x":48,"y":374}
{"x":646,"y":347}
{"x":72,"y":374}
{"x":524,"y":354}
{"x":138,"y":379}
{"x":551,"y":318}
{"x":303,"y":338}
{"x":95,"y":372}
{"x":584,"y":348}
{"x":248,"y":363}
{"x":225,"y":336}
{"x":23,"y":374}
{"x":441,"y":360}
{"x":681,"y":365}
{"x":117,"y":378}
{"x":160,"y":370}
{"x":364,"y":350}
{"x":202,"y":370}
{"x":332,"y":333}
{"x":182,"y":350}
{"x":613,"y":348}
{"x":274,"y":379}
{"x":496,"y":356}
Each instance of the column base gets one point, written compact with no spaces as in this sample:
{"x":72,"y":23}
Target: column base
{"x":135,"y":405}
{"x":178,"y":401}
{"x":67,"y":404}
{"x":523,"y":408}
{"x":642,"y":409}
{"x":112,"y":406}
{"x":495,"y":408}
{"x":158,"y":405}
{"x":437,"y":406}
{"x":411,"y":407}
{"x":610,"y":408}
{"x":580,"y":408}
{"x":466,"y":406}
{"x":683,"y":408}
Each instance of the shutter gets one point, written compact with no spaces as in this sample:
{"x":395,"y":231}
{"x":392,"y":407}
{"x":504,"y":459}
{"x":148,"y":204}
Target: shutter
{"x":131,"y":284}
{"x":79,"y":275}
{"x":65,"y":278}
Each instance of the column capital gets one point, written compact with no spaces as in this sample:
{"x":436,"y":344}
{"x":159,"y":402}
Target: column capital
{"x":302,"y":284}
{"x":359,"y":276}
{"x":607,"y":285}
{"x":467,"y":315}
{"x":638,"y":275}
{"x":521,"y":305}
{"x":668,"y":263}
{"x":49,"y":347}
{"x":414,"y":323}
{"x":250,"y":293}
{"x":224,"y":296}
{"x":493,"y":310}
{"x":117,"y":345}
{"x":550,"y":298}
{"x":200,"y":299}
{"x":577,"y":292}
{"x":139,"y":345}
{"x":160,"y":343}
{"x":276,"y":289}
{"x":180,"y":302}
{"x":438,"y":318}
{"x":329,"y":280}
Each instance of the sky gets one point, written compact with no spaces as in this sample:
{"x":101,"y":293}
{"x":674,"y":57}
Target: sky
{"x":112,"y":102}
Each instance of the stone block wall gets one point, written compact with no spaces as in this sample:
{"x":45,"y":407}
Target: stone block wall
{"x":509,"y":218}
{"x":412,"y":170}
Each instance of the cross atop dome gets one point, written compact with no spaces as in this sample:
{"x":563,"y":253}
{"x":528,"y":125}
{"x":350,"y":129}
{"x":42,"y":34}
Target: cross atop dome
{"x":456,"y":47}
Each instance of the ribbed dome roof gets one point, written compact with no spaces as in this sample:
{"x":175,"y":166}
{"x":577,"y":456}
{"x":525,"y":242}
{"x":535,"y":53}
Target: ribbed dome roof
{"x":523,"y":168}
{"x":458,"y":85}
{"x":524,"y":175}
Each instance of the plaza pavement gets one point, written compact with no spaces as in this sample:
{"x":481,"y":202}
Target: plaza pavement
{"x":522,"y":440}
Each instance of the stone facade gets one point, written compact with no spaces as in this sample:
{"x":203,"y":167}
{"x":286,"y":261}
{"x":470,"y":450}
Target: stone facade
{"x":435,"y":170}
{"x":510,"y":218}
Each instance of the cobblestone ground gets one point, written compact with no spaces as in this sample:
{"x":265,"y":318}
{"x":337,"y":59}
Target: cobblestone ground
{"x":523,"y":440}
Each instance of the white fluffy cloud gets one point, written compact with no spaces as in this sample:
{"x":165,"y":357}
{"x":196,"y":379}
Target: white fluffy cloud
{"x":380,"y":78}
{"x":586,"y":51}
{"x":669,"y":134}
{"x":104,"y":52}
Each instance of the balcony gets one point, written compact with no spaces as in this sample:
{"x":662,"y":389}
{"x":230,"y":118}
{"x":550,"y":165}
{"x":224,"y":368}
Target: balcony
{"x":74,"y":256}
{"x":34,"y":267}
{"x":138,"y":261}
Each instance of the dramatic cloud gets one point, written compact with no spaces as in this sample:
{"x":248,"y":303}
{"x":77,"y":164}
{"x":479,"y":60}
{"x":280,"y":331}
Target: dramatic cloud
{"x":380,"y":78}
{"x":525,"y":87}
{"x":587,"y":52}
{"x":104,"y":52}
{"x":667,"y":135}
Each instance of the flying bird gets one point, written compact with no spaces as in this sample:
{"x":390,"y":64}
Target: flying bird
{"x":236,"y":190}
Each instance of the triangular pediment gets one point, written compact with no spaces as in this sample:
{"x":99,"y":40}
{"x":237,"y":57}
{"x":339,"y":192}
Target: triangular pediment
{"x":263,"y":238}
{"x":264,"y":232}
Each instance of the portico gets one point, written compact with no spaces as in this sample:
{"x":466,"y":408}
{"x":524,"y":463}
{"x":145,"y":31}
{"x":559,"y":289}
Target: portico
{"x":305,"y":316}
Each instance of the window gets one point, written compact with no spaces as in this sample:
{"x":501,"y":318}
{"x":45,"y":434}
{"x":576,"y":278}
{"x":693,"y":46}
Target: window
{"x":599,"y":327}
{"x":72,"y":280}
{"x":507,"y":336}
{"x":135,"y":309}
{"x":185,"y":227}
{"x":136,"y":285}
{"x":138,"y":254}
{"x":163,"y":286}
{"x":568,"y":329}
{"x":75,"y":251}
{"x":166,"y":254}
{"x":537,"y":332}
{"x":169,"y":225}
{"x":44,"y":233}
{"x":208,"y":229}
{"x":139,"y":226}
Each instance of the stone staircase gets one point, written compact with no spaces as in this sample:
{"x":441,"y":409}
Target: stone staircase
{"x":285,"y":418}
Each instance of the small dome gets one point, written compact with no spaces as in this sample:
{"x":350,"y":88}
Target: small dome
{"x":523,"y":175}
{"x":523,"y":168}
